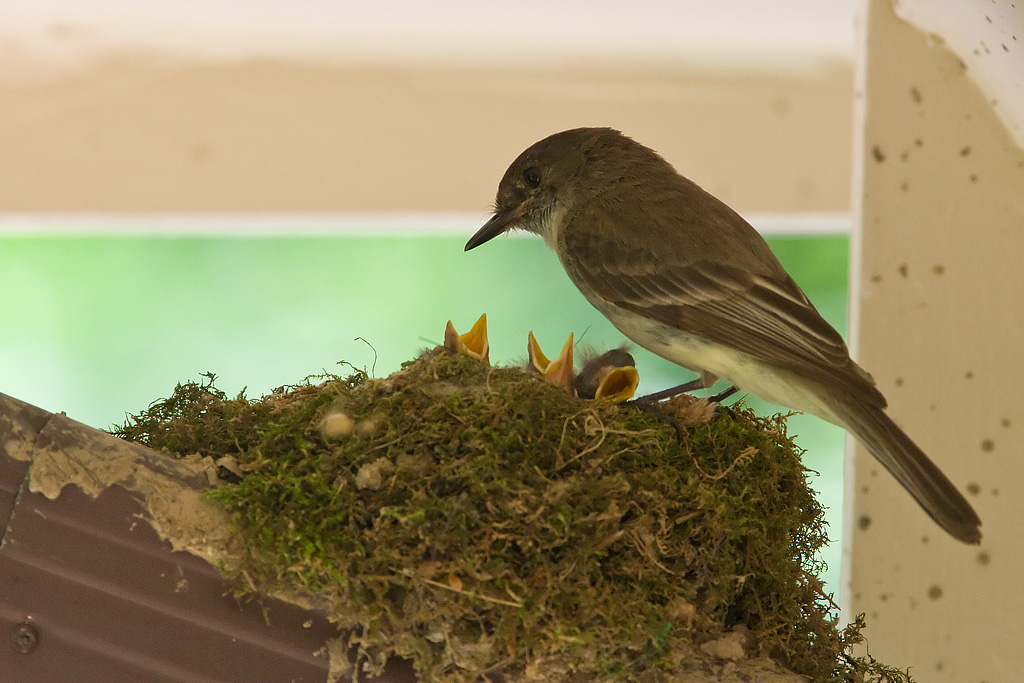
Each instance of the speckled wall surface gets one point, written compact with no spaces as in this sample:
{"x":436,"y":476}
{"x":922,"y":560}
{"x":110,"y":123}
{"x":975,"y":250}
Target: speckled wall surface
{"x":941,"y":327}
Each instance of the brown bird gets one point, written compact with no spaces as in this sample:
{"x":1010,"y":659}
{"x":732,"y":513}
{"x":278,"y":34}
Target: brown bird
{"x":683,"y":275}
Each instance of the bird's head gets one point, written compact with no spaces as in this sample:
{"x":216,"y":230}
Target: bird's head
{"x":551,"y":177}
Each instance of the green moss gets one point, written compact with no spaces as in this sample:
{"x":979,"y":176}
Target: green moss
{"x":476,"y":519}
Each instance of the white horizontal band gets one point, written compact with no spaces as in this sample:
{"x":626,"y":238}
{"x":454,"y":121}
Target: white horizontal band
{"x":361,"y":224}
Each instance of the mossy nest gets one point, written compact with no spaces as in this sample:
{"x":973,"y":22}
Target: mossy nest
{"x":483,"y":523}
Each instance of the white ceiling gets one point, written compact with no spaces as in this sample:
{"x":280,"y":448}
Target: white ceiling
{"x":988,"y":35}
{"x":525,"y":31}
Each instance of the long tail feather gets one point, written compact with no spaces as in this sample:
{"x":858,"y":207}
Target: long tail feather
{"x":911,"y":467}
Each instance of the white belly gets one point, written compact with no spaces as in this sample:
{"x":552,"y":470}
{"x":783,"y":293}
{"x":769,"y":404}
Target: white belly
{"x":741,"y":369}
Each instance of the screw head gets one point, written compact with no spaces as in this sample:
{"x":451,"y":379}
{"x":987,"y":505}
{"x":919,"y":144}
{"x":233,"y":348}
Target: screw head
{"x":25,"y":638}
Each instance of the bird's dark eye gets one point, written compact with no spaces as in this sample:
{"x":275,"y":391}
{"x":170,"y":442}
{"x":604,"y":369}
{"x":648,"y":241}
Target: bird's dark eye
{"x":532,"y":176}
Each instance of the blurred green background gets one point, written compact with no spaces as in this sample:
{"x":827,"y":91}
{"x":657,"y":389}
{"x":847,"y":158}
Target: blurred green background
{"x":99,"y":326}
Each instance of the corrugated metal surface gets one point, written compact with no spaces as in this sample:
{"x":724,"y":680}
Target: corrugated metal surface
{"x":110,"y":602}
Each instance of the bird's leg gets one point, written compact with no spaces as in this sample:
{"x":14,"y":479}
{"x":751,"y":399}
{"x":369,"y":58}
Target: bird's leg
{"x":651,"y":399}
{"x":648,"y":403}
{"x":703,"y":381}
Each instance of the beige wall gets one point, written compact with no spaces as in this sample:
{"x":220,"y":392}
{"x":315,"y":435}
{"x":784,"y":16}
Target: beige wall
{"x":137,"y":133}
{"x":941,"y":326}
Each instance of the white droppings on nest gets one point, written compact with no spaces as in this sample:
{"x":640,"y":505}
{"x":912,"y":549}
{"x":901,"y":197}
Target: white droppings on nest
{"x":730,"y":646}
{"x":337,"y":425}
{"x":371,"y":475}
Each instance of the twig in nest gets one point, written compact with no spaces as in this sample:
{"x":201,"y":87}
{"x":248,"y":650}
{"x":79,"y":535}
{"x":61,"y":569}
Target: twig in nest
{"x":644,"y":546}
{"x":745,"y":455}
{"x":487,"y":379}
{"x":561,"y":440}
{"x":471,"y":594}
{"x":592,"y":425}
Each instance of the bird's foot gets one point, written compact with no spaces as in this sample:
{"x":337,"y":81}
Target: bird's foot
{"x":649,"y":403}
{"x":722,"y":395}
{"x":652,"y":409}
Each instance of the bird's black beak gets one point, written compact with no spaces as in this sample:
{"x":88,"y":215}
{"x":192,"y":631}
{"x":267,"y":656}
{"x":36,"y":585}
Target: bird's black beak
{"x":498,"y":224}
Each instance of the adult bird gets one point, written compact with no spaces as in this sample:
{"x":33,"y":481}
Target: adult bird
{"x":683,"y":275}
